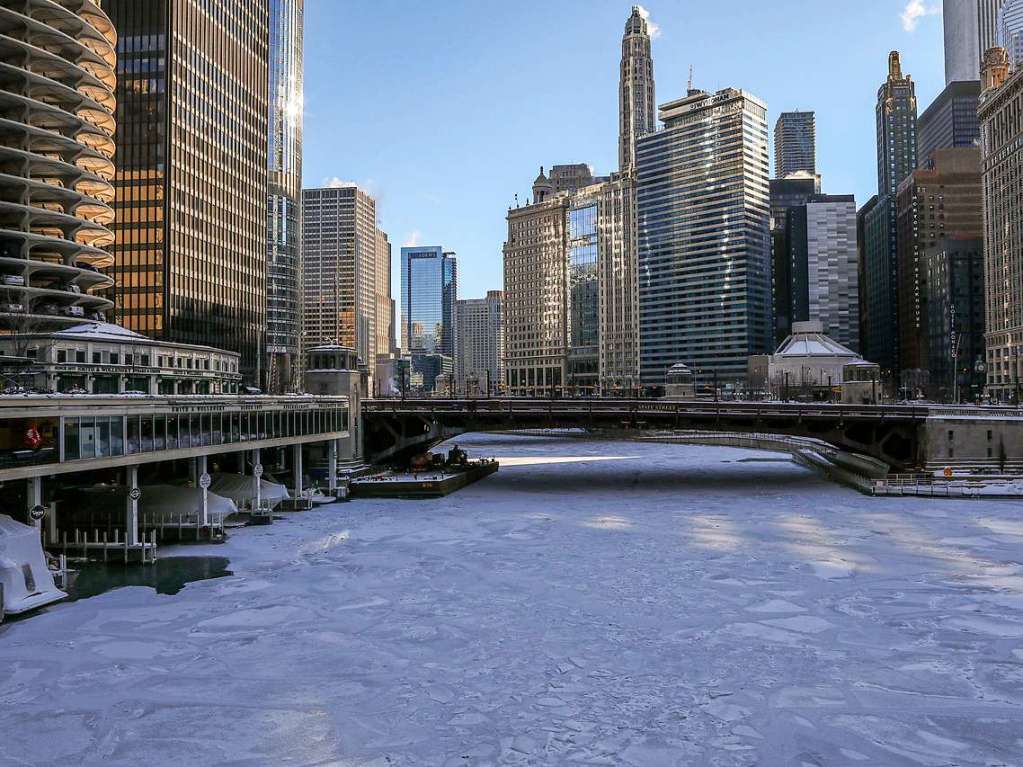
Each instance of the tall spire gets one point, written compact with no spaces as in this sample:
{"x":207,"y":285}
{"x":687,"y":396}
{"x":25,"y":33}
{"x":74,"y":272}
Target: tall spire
{"x":635,"y":89}
{"x":894,"y":66}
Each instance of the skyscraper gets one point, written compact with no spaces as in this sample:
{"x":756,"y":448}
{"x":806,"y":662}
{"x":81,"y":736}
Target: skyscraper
{"x":635,"y":89}
{"x":617,"y":302}
{"x":971,"y":27}
{"x":479,"y":327}
{"x":191,"y":185}
{"x":787,"y":193}
{"x":570,"y":287}
{"x":429,"y":290}
{"x":56,"y":152}
{"x":950,"y":122}
{"x":284,"y":156}
{"x":535,"y":291}
{"x":343,"y":257}
{"x":704,"y":253}
{"x":1001,"y":125}
{"x":824,"y":284}
{"x":1010,"y":30}
{"x":932,"y":204}
{"x":896,"y":158}
{"x":383,"y":324}
{"x":795,"y":144}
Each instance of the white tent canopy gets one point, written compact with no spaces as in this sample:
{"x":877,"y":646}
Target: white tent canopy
{"x":241,"y":489}
{"x":170,"y":503}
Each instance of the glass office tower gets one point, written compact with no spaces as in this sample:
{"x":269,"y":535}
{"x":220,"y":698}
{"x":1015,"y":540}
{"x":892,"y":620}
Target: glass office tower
{"x":191,"y":183}
{"x":284,"y":156}
{"x":429,"y":290}
{"x":583,"y":296}
{"x":703,"y":208}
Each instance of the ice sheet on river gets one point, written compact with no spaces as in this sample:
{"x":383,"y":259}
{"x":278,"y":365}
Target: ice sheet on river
{"x":677,"y":606}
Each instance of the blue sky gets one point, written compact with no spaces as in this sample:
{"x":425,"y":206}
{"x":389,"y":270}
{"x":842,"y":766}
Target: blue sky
{"x":444,"y":109}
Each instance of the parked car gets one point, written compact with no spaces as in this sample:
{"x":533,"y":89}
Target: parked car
{"x":13,"y":308}
{"x":12,"y":279}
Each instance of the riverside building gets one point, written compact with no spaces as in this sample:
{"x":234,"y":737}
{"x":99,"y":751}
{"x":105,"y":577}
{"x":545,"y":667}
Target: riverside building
{"x":570,"y":286}
{"x":703,"y":209}
{"x":58,"y":107}
{"x":190,"y":256}
{"x":933,"y":204}
{"x":1001,"y":121}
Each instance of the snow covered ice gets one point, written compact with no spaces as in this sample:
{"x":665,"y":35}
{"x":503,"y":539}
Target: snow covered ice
{"x":665,"y":605}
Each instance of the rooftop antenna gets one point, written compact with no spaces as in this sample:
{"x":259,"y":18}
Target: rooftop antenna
{"x":690,"y":77}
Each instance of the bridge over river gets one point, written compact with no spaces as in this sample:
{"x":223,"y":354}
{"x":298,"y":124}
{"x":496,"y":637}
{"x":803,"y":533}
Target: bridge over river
{"x":905,"y":437}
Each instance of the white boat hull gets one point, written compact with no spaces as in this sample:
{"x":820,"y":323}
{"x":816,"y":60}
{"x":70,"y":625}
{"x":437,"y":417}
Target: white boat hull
{"x":27,"y":581}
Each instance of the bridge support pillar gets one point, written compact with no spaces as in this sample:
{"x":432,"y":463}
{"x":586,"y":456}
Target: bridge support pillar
{"x":297,"y":468}
{"x":257,"y":473}
{"x":202,"y":480}
{"x":332,"y":466}
{"x":131,"y":506}
{"x":35,"y":501}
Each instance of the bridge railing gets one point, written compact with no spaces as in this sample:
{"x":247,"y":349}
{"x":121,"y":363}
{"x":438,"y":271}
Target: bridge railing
{"x":637,"y":408}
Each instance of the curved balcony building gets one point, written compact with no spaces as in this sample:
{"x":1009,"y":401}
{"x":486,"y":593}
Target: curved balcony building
{"x":56,"y":161}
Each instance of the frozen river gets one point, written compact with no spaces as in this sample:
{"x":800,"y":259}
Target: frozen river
{"x":593,"y":603}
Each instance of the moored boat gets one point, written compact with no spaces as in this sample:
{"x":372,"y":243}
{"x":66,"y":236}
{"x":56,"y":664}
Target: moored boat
{"x":25,"y":581}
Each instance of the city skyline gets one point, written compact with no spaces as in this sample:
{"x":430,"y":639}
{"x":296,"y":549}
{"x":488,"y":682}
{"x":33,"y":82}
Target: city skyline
{"x":412,"y":173}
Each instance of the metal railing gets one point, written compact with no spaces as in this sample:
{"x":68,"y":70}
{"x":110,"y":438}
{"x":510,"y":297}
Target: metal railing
{"x":564,"y":406}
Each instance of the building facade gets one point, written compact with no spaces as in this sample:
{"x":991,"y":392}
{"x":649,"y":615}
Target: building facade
{"x":479,"y":326}
{"x":56,"y":155}
{"x":1010,"y":30}
{"x":896,"y":114}
{"x":284,"y":198}
{"x":786,"y":193}
{"x":950,"y":122}
{"x":618,"y":300}
{"x":635,"y":89}
{"x":795,"y":144}
{"x":932,"y":205}
{"x":1001,"y":121}
{"x":955,"y":319}
{"x":384,"y":322}
{"x":971,"y":27}
{"x":344,"y":256}
{"x":703,"y":214}
{"x":535,"y":294}
{"x":191,"y":184}
{"x":569,"y":178}
{"x":100,"y":358}
{"x":832,"y":281}
{"x":429,"y":291}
